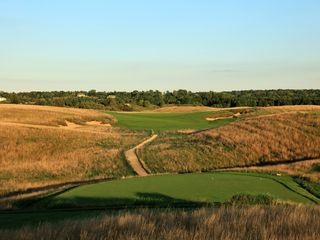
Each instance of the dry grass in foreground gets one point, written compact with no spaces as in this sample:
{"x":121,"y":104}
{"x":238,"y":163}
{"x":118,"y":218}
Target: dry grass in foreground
{"x":266,"y":139}
{"x":275,"y":222}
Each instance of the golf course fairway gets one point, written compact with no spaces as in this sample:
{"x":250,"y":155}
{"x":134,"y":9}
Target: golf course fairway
{"x":167,"y":121}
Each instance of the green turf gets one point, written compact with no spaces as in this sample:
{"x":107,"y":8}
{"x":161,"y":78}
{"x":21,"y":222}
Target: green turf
{"x":167,"y":121}
{"x":183,"y":188}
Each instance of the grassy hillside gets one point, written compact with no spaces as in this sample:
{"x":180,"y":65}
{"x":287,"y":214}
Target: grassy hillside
{"x":256,"y":140}
{"x":185,"y":190}
{"x":167,"y":121}
{"x":40,"y":153}
{"x":49,"y":116}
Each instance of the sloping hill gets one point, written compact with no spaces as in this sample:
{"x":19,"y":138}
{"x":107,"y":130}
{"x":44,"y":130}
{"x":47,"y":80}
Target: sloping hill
{"x":257,"y":140}
{"x":50,"y":145}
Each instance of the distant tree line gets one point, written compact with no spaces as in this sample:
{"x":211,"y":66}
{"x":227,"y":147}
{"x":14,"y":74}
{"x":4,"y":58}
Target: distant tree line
{"x":136,"y":100}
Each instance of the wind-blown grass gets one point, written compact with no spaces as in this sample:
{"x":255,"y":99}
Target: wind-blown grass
{"x":40,"y":152}
{"x":261,"y":140}
{"x":275,"y":222}
{"x":50,"y":116}
{"x":33,"y":157}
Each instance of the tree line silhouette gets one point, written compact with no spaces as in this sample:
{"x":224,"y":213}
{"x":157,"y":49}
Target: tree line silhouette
{"x":134,"y":100}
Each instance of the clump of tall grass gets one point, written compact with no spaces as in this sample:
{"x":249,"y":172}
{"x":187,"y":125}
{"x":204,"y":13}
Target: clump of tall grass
{"x":244,"y":199}
{"x":312,"y":187}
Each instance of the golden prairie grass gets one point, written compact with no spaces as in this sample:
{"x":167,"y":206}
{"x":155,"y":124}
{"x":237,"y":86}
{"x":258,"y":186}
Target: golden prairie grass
{"x":258,"y":110}
{"x":31,"y":157}
{"x":248,"y":112}
{"x":274,"y":222}
{"x":38,"y":153}
{"x":293,"y":108}
{"x":274,"y":110}
{"x":50,"y":116}
{"x":252,"y":141}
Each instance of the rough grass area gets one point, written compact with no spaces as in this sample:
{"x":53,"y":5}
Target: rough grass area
{"x":49,"y":116}
{"x":180,"y":190}
{"x":167,"y":121}
{"x":308,"y":169}
{"x":276,"y":222}
{"x":260,"y":140}
{"x":31,"y":157}
{"x":312,"y":187}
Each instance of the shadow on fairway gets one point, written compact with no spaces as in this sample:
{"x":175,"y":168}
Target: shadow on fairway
{"x":52,"y":209}
{"x":142,"y":199}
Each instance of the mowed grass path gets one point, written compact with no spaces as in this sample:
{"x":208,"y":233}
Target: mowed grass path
{"x":183,"y":188}
{"x":167,"y":121}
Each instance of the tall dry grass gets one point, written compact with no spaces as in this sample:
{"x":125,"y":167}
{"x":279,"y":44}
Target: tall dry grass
{"x":268,"y":139}
{"x":256,"y":110}
{"x":277,"y":222}
{"x":51,"y":116}
{"x":33,"y":152}
{"x":32,"y":157}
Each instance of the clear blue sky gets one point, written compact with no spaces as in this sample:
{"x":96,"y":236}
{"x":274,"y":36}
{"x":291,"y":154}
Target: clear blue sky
{"x":161,"y":44}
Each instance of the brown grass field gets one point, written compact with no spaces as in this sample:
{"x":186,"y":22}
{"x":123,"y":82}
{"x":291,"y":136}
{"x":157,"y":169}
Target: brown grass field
{"x":247,"y":142}
{"x":49,"y":145}
{"x":272,"y":222}
{"x":34,"y":155}
{"x":41,"y":146}
{"x":49,"y":116}
{"x":259,"y":110}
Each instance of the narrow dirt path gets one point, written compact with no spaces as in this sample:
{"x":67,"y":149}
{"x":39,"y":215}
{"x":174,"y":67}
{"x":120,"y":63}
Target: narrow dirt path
{"x":133,"y":160}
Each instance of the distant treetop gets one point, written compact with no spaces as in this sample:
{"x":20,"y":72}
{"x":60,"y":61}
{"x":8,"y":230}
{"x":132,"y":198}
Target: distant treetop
{"x":137,"y":100}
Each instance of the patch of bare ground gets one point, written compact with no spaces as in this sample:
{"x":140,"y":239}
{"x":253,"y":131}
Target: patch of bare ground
{"x":185,"y":109}
{"x":187,"y":131}
{"x":137,"y":164}
{"x":217,"y":118}
{"x":272,"y":222}
{"x":268,"y":139}
{"x":92,"y":126}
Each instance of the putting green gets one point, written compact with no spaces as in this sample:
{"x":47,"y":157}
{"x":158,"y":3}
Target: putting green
{"x":167,"y":121}
{"x":183,"y":188}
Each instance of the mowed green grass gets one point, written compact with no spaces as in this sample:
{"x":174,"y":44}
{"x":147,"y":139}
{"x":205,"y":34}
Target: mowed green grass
{"x":182,"y":189}
{"x":167,"y":121}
